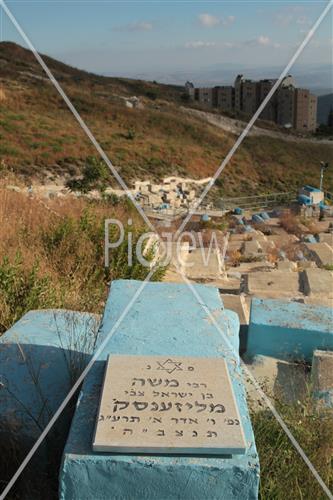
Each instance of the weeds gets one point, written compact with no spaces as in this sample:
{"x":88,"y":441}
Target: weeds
{"x":55,"y":257}
{"x":21,"y":289}
{"x":283,"y":472}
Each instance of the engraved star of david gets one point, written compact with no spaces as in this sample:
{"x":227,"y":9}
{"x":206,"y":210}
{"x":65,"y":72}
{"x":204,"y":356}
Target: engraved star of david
{"x":169,"y":365}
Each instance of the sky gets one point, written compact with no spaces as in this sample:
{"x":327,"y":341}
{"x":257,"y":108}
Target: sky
{"x":131,"y":38}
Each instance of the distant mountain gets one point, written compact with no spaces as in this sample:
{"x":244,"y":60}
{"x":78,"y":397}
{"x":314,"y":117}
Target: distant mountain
{"x":325,"y":102}
{"x":315,"y":77}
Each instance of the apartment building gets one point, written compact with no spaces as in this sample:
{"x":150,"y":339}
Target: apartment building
{"x":205,"y":96}
{"x":238,"y":93}
{"x":305,"y":110}
{"x":270,"y":111}
{"x":250,"y":97}
{"x":312,"y":116}
{"x":289,"y":106}
{"x":285,"y":107}
{"x":224,"y":98}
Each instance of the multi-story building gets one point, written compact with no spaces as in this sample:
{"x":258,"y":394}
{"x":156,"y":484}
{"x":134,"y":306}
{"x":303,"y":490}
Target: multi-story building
{"x":238,"y":93}
{"x":270,"y":110}
{"x":285,"y":107}
{"x":224,"y":98}
{"x":288,"y":106}
{"x":301,"y":117}
{"x":312,"y":118}
{"x":250,"y":97}
{"x":305,"y":110}
{"x":189,"y":87}
{"x":205,"y":96}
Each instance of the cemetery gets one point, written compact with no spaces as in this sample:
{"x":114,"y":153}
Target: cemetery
{"x":167,"y":406}
{"x":163,"y":408}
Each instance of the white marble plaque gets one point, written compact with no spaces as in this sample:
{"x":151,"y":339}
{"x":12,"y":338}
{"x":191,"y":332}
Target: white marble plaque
{"x":162,"y":404}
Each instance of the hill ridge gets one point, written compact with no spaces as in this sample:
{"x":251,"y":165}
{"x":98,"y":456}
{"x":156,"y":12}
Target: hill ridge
{"x":40,"y":138}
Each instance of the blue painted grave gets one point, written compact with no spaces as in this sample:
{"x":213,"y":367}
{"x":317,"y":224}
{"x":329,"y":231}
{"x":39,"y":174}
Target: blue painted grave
{"x":288,"y":330}
{"x":166,"y":319}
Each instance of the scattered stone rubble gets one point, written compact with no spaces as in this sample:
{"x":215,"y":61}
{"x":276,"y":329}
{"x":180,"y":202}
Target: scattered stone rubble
{"x":171,"y":193}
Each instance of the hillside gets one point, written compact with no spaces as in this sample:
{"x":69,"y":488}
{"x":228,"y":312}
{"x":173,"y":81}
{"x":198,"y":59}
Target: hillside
{"x":40,"y":139}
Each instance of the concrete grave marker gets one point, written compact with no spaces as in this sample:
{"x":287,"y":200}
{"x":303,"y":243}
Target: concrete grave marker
{"x":161,"y":404}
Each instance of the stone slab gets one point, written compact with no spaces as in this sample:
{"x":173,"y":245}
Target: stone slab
{"x":322,"y":377}
{"x":251,"y":248}
{"x":234,"y":246}
{"x":318,"y":283}
{"x":322,"y":253}
{"x":226,"y":285}
{"x":319,"y":300}
{"x":288,"y":330}
{"x":240,"y":305}
{"x":249,"y":267}
{"x":156,"y":404}
{"x":280,"y":379}
{"x":202,"y":265}
{"x":237,"y":304}
{"x":282,"y":239}
{"x":306,"y":264}
{"x":286,"y":265}
{"x":166,"y":319}
{"x":273,"y":284}
{"x":326,"y":238}
{"x":322,"y":370}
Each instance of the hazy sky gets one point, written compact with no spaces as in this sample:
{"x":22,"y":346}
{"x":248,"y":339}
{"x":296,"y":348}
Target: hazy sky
{"x":130,"y":37}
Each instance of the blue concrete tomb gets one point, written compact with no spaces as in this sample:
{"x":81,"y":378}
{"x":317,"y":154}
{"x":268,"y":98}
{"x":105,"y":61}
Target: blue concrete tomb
{"x":40,"y":358}
{"x":165,"y":319}
{"x":288,"y":330}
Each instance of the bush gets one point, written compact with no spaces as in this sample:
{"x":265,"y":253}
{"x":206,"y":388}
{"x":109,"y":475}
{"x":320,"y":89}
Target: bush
{"x":152,"y":94}
{"x":21,"y":290}
{"x":95,"y":176}
{"x":75,"y":249}
{"x":130,"y":134}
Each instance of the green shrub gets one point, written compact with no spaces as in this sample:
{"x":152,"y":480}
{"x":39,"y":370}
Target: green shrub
{"x":130,"y":134}
{"x":152,"y":94}
{"x":21,"y":290}
{"x":75,"y":248}
{"x":95,"y":176}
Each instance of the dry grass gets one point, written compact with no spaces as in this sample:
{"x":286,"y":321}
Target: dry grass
{"x":52,"y":253}
{"x":291,"y":224}
{"x":39,"y":135}
{"x":283,"y":472}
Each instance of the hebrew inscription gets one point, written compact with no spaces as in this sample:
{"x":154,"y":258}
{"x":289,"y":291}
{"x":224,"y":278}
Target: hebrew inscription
{"x":155,"y":404}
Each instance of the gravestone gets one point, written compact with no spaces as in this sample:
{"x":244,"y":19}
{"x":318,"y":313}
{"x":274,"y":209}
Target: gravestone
{"x":289,"y":331}
{"x":161,"y":404}
{"x":166,"y":320}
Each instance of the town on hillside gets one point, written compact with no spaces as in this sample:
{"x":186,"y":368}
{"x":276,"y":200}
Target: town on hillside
{"x":290,"y":106}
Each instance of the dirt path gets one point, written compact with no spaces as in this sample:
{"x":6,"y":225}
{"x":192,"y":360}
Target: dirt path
{"x":237,"y":126}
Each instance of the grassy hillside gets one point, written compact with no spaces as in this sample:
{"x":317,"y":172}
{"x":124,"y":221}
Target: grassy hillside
{"x":40,"y":137}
